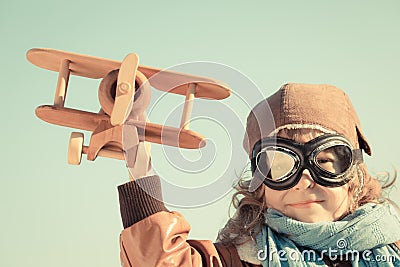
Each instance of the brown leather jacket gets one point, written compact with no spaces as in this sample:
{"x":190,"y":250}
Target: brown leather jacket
{"x":154,"y":236}
{"x":161,"y":240}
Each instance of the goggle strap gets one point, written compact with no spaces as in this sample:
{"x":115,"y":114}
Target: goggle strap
{"x":358,"y":156}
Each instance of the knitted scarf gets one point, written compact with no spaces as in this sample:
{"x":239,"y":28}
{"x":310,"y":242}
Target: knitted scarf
{"x":365,"y":238}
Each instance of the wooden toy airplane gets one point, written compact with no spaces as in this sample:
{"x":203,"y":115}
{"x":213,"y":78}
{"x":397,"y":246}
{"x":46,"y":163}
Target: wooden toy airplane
{"x":124,"y":95}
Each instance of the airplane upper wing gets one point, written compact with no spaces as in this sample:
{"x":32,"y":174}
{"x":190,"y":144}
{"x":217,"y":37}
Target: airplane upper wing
{"x":96,"y":68}
{"x":80,"y":65}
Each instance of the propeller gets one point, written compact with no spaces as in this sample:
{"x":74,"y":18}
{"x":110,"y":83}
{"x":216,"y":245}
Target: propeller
{"x":125,"y":89}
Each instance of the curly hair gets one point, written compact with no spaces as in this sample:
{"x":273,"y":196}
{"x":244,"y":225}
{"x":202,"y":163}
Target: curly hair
{"x":250,"y":207}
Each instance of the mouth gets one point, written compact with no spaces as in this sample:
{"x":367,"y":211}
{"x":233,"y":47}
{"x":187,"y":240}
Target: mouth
{"x":305,"y":204}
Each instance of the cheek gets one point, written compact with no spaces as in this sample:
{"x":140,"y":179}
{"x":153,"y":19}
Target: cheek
{"x":338,"y":194}
{"x":274,"y":198}
{"x":339,"y":200}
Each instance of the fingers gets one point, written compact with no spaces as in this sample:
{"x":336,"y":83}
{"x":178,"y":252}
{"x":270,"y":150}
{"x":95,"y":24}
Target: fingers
{"x":137,"y":153}
{"x":139,"y":161}
{"x":142,"y":161}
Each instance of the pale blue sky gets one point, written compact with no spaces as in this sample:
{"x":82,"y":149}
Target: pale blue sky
{"x":56,"y":214}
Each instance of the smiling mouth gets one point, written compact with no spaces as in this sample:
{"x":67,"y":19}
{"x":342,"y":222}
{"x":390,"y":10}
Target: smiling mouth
{"x":305,"y":204}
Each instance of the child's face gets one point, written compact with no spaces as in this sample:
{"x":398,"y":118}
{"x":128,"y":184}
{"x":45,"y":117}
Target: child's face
{"x":308,"y":201}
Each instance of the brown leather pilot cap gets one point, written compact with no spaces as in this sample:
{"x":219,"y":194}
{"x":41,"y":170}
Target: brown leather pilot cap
{"x":295,"y":105}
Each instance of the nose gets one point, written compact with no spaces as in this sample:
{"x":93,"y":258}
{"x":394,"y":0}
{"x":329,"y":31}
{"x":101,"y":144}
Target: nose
{"x":306,"y":181}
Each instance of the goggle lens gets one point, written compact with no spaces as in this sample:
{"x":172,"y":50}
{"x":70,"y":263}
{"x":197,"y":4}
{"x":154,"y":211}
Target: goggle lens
{"x":335,"y":159}
{"x":276,"y":164}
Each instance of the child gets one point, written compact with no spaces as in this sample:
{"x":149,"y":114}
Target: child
{"x":310,"y":202}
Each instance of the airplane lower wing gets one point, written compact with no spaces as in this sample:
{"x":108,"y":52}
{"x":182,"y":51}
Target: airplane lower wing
{"x":151,"y":132}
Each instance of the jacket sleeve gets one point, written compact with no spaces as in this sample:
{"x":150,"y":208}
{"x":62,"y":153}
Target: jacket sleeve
{"x":154,"y":236}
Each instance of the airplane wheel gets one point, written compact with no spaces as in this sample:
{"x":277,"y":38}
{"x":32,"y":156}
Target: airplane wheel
{"x":75,"y":148}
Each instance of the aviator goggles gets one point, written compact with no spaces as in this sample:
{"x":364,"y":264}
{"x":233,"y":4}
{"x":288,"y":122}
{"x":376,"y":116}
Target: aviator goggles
{"x":280,"y":162}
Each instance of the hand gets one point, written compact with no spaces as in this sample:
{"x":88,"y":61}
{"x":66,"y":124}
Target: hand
{"x":139,"y":161}
{"x":137,"y":154}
